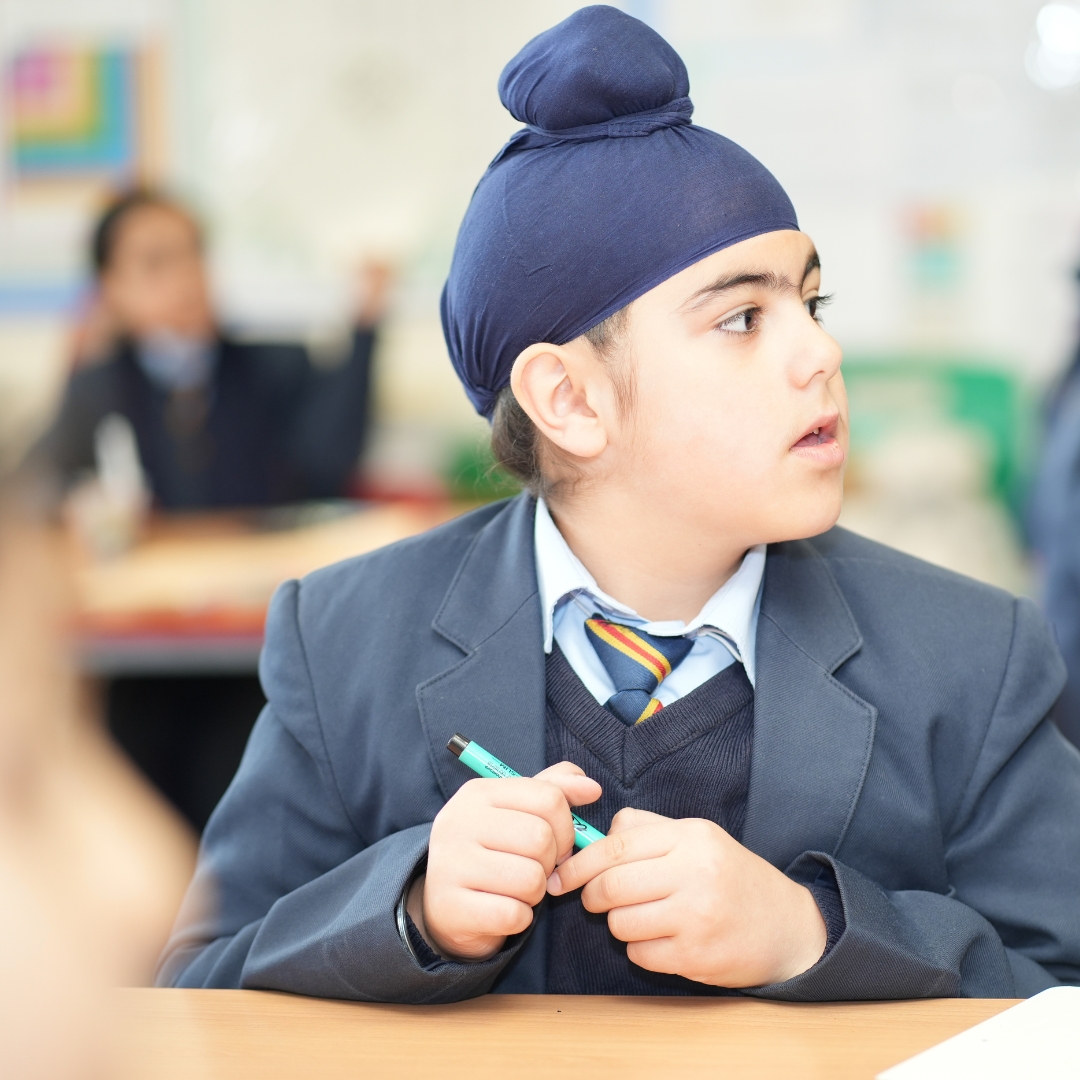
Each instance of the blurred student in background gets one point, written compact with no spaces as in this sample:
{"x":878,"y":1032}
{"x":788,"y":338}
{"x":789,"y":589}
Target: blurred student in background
{"x":1054,"y":525}
{"x":209,"y":423}
{"x":217,"y":422}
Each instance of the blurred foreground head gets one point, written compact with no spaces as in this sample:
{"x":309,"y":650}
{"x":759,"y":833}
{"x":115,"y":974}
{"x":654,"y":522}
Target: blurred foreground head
{"x":92,"y":864}
{"x":147,"y":253}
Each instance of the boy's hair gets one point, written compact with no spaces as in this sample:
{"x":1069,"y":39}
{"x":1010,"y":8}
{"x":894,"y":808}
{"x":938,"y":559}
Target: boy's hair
{"x":519,"y":447}
{"x":107,"y":229}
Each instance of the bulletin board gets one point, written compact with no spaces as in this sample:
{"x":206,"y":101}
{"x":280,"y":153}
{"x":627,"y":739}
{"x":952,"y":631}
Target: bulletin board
{"x":84,"y":113}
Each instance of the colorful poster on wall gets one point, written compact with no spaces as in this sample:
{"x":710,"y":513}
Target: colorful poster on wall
{"x":83,"y":113}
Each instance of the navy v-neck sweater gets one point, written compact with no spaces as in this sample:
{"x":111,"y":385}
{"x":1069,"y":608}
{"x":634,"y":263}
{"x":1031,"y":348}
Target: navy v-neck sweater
{"x":692,"y":759}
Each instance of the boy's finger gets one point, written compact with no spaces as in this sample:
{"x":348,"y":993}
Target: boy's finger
{"x":629,"y":818}
{"x":499,"y":916}
{"x":567,"y":767}
{"x":645,"y":922}
{"x":542,"y":798}
{"x":520,"y":793}
{"x":579,"y":789}
{"x":644,"y":842}
{"x":517,"y":832}
{"x":630,"y":884}
{"x":504,"y":874}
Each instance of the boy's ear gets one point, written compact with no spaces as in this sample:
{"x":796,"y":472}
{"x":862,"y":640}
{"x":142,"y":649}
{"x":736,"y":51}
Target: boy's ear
{"x":561,"y":390}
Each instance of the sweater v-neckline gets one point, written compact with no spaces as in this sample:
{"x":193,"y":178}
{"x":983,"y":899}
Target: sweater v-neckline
{"x":629,"y":751}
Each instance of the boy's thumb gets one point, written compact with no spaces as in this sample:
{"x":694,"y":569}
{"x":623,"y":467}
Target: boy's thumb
{"x":579,"y":789}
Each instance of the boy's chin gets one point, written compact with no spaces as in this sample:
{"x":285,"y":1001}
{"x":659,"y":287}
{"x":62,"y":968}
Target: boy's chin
{"x":813,"y":520}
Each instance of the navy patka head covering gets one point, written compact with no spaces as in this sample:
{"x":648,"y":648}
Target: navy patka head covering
{"x":608,"y":191}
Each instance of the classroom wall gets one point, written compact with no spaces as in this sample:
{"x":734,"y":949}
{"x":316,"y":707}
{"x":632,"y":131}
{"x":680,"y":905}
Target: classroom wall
{"x":335,"y":129}
{"x":940,"y":183}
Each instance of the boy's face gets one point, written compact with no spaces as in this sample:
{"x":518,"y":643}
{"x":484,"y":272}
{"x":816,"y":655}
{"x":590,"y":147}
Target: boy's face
{"x":155,"y":279}
{"x":739,"y":418}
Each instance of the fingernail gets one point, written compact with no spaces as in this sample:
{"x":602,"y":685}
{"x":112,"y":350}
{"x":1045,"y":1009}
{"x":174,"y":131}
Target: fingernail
{"x":554,"y":883}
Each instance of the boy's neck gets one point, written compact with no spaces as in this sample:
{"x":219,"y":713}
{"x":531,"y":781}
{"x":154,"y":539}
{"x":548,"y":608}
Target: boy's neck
{"x":659,"y":567}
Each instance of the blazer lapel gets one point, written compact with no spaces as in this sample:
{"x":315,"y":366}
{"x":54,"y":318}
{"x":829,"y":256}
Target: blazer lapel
{"x":812,"y":736}
{"x":495,"y":693}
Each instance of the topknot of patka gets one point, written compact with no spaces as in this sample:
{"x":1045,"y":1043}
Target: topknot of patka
{"x":598,"y":66}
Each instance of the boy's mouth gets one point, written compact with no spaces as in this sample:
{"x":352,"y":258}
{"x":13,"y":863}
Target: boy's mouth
{"x":822,"y":431}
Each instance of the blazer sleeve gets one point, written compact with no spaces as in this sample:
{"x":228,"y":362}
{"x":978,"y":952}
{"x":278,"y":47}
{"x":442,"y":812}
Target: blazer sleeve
{"x":329,"y":425}
{"x":1009,"y":926}
{"x":67,"y":447}
{"x":287,"y":894}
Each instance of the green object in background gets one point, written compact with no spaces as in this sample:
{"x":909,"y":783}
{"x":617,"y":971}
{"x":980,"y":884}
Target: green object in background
{"x":890,"y":392}
{"x":472,"y":475}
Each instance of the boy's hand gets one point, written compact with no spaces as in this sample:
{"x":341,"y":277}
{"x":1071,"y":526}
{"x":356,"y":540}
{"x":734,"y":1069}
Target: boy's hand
{"x":691,"y":901}
{"x":492,"y":849}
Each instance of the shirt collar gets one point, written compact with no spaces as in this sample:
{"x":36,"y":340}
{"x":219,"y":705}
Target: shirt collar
{"x":175,"y":362}
{"x":730,"y":611}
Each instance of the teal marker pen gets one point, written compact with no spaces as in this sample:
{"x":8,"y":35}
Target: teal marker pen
{"x":488,"y":765}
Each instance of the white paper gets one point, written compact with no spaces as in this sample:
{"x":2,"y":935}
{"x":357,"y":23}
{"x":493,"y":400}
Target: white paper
{"x":1039,"y":1037}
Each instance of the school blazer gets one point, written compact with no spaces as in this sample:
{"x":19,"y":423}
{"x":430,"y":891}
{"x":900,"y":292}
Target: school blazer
{"x":276,"y":428}
{"x":900,"y":738}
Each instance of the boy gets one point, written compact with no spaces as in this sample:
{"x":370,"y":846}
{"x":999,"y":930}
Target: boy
{"x":218,"y":422}
{"x":824,"y":767}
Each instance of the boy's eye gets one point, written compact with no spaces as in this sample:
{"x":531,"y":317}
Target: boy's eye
{"x":815,"y":303}
{"x":742,"y":322}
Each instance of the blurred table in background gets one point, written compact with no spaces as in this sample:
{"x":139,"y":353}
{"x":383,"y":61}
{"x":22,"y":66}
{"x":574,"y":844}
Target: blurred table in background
{"x":191,"y":597}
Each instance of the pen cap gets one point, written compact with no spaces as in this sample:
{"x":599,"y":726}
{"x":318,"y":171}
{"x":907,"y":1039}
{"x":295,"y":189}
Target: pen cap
{"x":457,"y":744}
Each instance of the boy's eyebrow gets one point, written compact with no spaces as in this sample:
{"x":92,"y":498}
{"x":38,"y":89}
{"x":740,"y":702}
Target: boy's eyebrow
{"x":764,"y":278}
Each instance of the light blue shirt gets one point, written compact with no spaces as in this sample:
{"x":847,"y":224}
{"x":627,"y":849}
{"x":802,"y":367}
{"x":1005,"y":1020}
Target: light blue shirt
{"x":174,"y":362}
{"x":723,"y":631}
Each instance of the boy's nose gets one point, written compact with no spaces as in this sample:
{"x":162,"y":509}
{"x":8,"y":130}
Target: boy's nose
{"x":819,"y":355}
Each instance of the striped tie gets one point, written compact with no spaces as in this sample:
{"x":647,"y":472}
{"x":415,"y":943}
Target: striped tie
{"x":637,"y":663}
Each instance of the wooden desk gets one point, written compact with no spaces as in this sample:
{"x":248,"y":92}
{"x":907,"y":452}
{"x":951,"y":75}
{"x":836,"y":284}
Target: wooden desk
{"x":192,"y":597}
{"x":230,"y":1034}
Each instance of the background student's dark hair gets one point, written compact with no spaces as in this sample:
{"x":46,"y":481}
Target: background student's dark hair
{"x":103,"y":238}
{"x":517,"y":444}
